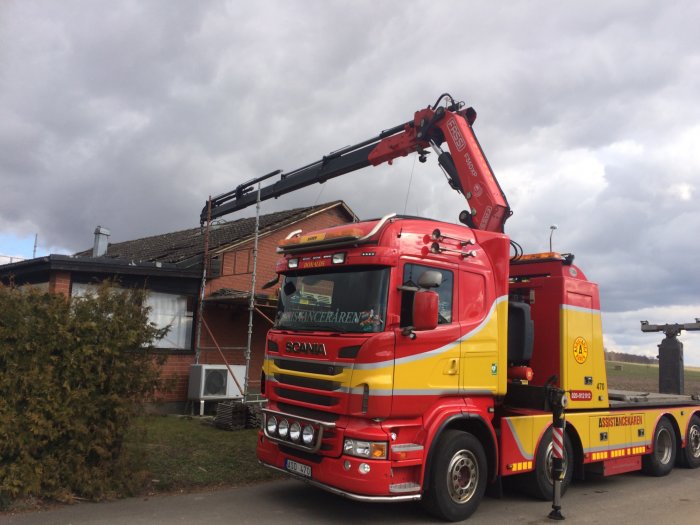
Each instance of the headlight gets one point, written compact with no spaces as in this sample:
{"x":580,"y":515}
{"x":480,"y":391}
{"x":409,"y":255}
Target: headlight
{"x":283,"y":428}
{"x":338,"y":258}
{"x":271,"y":425}
{"x":307,"y":435}
{"x":295,"y":431}
{"x":365,"y":449}
{"x":293,"y":263}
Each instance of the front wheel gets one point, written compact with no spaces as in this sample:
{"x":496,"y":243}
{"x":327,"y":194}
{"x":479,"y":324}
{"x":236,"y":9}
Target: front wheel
{"x":660,"y":461}
{"x":539,"y":483}
{"x":457,"y":477}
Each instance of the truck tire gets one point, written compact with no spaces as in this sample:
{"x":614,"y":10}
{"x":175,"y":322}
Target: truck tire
{"x":457,"y":477}
{"x":538,"y":483}
{"x":663,"y":456}
{"x":691,"y":453}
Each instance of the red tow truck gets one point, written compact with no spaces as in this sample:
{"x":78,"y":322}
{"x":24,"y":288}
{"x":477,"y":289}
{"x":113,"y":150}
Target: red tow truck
{"x":413,"y":359}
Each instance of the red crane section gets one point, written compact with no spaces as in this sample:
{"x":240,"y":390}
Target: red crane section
{"x":464,"y":163}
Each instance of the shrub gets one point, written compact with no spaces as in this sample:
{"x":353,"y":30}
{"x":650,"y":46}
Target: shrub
{"x":73,"y":374}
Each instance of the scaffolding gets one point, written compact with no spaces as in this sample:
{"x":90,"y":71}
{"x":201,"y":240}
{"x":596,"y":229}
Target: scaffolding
{"x":252,"y":308}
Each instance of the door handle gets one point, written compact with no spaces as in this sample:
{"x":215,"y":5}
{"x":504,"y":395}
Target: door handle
{"x":452,"y":368}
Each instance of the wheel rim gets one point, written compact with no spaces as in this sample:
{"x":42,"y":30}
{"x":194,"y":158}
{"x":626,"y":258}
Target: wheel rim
{"x":693,"y":444}
{"x":549,"y":459}
{"x":664,"y":446}
{"x":462,"y":476}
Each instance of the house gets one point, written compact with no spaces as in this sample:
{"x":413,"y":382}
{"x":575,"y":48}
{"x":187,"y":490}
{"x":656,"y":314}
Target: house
{"x":170,"y":266}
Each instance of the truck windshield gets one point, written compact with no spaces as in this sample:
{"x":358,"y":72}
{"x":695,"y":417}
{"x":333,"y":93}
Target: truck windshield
{"x":338,"y":300}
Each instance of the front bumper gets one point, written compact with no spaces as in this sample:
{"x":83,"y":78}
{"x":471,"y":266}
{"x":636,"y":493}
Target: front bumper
{"x":342,"y":475}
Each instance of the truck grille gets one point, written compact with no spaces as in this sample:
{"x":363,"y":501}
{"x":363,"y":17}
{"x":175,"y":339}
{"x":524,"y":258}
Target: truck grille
{"x":321,"y":368}
{"x":324,"y":392}
{"x":309,"y":413}
{"x":307,"y":382}
{"x":307,"y":397}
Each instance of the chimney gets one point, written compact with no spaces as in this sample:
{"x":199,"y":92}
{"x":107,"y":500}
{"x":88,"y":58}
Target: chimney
{"x":101,"y":241}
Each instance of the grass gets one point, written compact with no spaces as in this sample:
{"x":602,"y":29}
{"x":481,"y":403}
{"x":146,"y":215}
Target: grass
{"x":180,"y":453}
{"x":634,"y":376}
{"x":185,"y":454}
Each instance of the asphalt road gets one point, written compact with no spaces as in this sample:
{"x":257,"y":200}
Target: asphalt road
{"x":627,"y":499}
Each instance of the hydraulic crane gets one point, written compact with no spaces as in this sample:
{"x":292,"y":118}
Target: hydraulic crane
{"x":465,"y":165}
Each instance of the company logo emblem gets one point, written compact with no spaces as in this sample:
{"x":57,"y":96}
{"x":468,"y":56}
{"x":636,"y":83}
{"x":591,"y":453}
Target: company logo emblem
{"x":459,"y":141}
{"x":580,"y":350}
{"x":295,"y":347}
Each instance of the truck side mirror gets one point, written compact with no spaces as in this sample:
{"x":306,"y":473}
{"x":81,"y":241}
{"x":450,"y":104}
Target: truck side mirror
{"x":425,"y":310}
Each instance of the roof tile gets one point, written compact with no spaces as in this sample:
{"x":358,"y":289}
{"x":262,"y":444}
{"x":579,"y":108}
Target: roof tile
{"x":180,"y":246}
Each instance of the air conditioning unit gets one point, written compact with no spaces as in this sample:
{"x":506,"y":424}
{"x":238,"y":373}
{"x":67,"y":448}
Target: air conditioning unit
{"x":215,"y":382}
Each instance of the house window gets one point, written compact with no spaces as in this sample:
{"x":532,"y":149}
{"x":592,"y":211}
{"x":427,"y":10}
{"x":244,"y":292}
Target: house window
{"x":165,"y":310}
{"x":171,"y":310}
{"x":83,"y":289}
{"x":243,"y":262}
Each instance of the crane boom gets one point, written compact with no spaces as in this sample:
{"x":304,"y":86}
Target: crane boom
{"x":465,"y":165}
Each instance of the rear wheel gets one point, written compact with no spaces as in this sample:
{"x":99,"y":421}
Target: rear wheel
{"x":457,"y":478}
{"x":660,"y":461}
{"x":539,"y":483}
{"x":691,"y":453}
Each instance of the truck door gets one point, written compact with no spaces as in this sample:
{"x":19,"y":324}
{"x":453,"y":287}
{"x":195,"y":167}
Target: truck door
{"x":583,"y":364}
{"x":482,"y":369}
{"x":427,"y":366}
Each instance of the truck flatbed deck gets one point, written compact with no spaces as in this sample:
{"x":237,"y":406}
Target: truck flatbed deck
{"x":620,"y":399}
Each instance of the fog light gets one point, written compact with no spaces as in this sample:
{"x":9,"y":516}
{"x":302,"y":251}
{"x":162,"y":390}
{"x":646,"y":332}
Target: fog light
{"x":307,"y":435}
{"x":271,"y":425}
{"x":295,"y":431}
{"x":283,"y":428}
{"x":363,"y":468}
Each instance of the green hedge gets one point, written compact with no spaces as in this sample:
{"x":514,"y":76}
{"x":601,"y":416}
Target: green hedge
{"x":73,"y":374}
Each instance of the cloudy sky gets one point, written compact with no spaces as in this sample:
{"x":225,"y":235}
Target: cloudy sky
{"x":129,"y":114}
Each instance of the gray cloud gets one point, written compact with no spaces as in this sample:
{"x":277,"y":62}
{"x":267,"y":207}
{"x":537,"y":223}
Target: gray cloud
{"x":129,"y":115}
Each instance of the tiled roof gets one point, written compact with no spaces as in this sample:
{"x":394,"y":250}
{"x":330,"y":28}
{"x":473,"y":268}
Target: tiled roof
{"x":183,"y":246}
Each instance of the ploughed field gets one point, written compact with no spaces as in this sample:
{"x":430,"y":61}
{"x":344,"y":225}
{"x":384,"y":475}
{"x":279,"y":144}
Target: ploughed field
{"x":645,"y":378}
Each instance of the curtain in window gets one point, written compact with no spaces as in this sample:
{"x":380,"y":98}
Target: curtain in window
{"x":171,"y":310}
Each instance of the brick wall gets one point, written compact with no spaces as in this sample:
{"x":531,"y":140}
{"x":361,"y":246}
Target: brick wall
{"x":176,"y":372}
{"x":59,"y":282}
{"x":237,"y":264}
